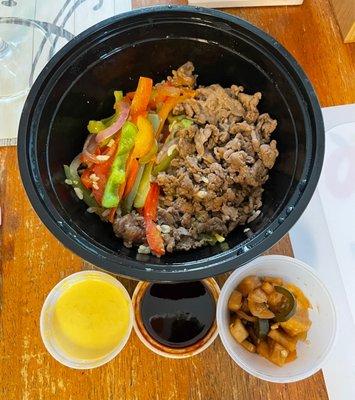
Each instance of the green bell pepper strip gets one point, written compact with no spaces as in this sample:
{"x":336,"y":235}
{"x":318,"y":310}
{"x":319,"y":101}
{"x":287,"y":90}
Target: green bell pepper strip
{"x":127,"y":203}
{"x":165,"y":162}
{"x":97,"y":126}
{"x":76,"y":183}
{"x":144,"y":186}
{"x":154,"y":120}
{"x":172,"y":118}
{"x":288,"y":306}
{"x":117,"y":174}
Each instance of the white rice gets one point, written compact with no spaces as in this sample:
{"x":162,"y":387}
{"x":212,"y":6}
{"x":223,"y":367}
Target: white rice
{"x":110,"y":143}
{"x":254,"y":216}
{"x":106,"y":213}
{"x":201,"y":194}
{"x":79,"y":193}
{"x":94,"y":178}
{"x":143,"y":249}
{"x":165,"y":229}
{"x":171,"y":149}
{"x":102,"y":157}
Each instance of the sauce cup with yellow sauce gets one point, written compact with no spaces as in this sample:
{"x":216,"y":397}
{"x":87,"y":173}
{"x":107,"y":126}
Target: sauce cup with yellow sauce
{"x":86,"y":319}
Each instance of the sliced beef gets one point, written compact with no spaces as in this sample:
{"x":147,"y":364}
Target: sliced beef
{"x":215,"y":183}
{"x":130,"y":228}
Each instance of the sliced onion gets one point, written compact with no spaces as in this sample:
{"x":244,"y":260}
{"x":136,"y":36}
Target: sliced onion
{"x":74,"y":166}
{"x":117,"y":125}
{"x":88,"y":149}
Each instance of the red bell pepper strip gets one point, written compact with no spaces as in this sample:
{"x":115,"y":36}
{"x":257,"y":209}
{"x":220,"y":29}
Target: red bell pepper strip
{"x":154,"y":238}
{"x":150,"y":212}
{"x":151,"y":203}
{"x":141,"y":96}
{"x":132,"y":171}
{"x":102,"y":171}
{"x":111,"y":216}
{"x":85,"y":178}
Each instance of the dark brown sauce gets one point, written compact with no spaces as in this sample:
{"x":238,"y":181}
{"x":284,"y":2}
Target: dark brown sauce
{"x":178,"y":314}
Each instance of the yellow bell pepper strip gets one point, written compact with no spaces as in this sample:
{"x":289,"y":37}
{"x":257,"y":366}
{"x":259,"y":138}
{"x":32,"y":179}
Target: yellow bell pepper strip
{"x":150,"y":213}
{"x":144,"y":186}
{"x":151,"y":155}
{"x":154,"y":120}
{"x":111,"y":197}
{"x":141,"y":96}
{"x":144,"y":139}
{"x":127,"y":202}
{"x":97,"y":126}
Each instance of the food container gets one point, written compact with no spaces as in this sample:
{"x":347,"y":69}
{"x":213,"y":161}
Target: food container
{"x":320,"y":339}
{"x":163,"y":350}
{"x":47,"y":328}
{"x":77,"y":86}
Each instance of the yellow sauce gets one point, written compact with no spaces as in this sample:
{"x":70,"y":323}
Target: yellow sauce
{"x":90,"y":318}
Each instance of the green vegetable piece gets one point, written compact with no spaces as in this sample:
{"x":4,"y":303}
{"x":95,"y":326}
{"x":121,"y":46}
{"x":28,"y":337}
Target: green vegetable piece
{"x":118,"y":95}
{"x":261,"y":328}
{"x":98,"y":126}
{"x":90,"y":201}
{"x":117,"y":175}
{"x":128,"y":136}
{"x":154,"y":120}
{"x":165,"y":162}
{"x":288,"y":306}
{"x":127,"y":203}
{"x":182,"y":124}
{"x":172,"y":118}
{"x":185,"y":123}
{"x":144,"y":186}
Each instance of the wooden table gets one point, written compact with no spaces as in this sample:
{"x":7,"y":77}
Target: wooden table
{"x":32,"y":261}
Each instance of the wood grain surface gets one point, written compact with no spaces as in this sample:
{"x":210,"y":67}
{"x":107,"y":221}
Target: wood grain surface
{"x":32,"y":261}
{"x":344,"y":11}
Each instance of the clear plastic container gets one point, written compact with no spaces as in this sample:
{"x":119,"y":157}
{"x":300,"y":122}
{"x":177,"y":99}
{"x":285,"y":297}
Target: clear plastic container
{"x":321,"y":336}
{"x":46,"y":328}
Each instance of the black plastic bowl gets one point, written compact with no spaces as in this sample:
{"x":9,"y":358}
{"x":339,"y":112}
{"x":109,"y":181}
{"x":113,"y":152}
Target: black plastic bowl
{"x":78,"y":83}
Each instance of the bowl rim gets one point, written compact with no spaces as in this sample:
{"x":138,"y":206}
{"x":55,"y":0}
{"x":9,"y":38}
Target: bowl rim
{"x":197,"y":269}
{"x":222,"y":301}
{"x":84,"y":364}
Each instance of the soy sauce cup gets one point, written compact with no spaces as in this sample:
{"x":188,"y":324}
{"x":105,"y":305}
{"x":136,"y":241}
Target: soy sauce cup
{"x":143,"y":298}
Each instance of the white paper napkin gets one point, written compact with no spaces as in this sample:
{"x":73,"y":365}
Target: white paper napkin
{"x":324,"y":237}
